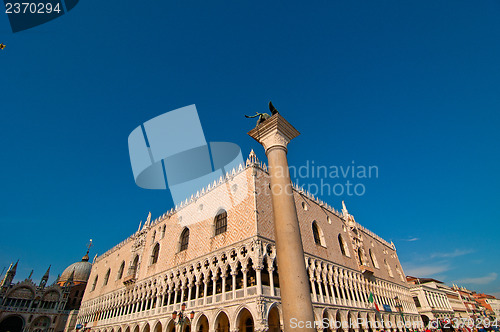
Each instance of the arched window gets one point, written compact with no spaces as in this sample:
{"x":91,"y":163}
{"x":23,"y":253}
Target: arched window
{"x":134,"y":266}
{"x":360,"y":256}
{"x":106,"y":277}
{"x":317,"y":234}
{"x":373,"y":259}
{"x":184,"y":239}
{"x":388,"y":268}
{"x":95,"y":283}
{"x":221,"y":222}
{"x":153,"y":237}
{"x":120,"y":270}
{"x":343,"y":246}
{"x":400,"y":274}
{"x":154,"y":255}
{"x":163,"y":231}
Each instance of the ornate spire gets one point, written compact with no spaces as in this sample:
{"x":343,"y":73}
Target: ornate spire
{"x":46,"y":275}
{"x":14,"y":268}
{"x":9,"y":275}
{"x":345,"y":213}
{"x":86,"y":257}
{"x":45,"y":278}
{"x":252,"y":158}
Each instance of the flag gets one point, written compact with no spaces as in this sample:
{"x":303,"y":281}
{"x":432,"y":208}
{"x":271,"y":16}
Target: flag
{"x":370,"y":297}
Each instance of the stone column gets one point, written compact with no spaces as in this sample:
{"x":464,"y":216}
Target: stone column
{"x":321,"y":295}
{"x":233,"y":275}
{"x":169,"y":296}
{"x":190,"y":290}
{"x":313,"y":288}
{"x":183,"y":290}
{"x":223,"y":276}
{"x":245,"y":275}
{"x":324,"y":280}
{"x":334,"y":298}
{"x":274,"y":134}
{"x":205,"y":290}
{"x":214,"y":286}
{"x":271,"y":279}
{"x":258,"y":271}
{"x":197,"y":295}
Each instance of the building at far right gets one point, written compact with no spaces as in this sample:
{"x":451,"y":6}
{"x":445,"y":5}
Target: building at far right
{"x":430,"y":299}
{"x":437,"y":302}
{"x":490,"y":304}
{"x":467,"y":297}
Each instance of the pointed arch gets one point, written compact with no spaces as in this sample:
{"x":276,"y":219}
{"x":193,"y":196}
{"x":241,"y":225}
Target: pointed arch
{"x":325,"y":318}
{"x":338,"y":322}
{"x":220,"y":222}
{"x":400,"y":273}
{"x":274,"y":319}
{"x":106,"y":277}
{"x":155,"y":253}
{"x":388,"y":267}
{"x":184,"y":240}
{"x":244,"y":320}
{"x":201,"y":324}
{"x":157,"y":327}
{"x":343,"y":246}
{"x":120,"y":270}
{"x":373,"y":259}
{"x":361,"y":256}
{"x":94,"y":284}
{"x":221,"y":322}
{"x":134,"y":267}
{"x":318,"y":236}
{"x":170,"y":326}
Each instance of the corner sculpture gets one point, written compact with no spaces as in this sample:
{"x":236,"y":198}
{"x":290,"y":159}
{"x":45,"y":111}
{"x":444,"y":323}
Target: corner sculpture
{"x":263,"y":116}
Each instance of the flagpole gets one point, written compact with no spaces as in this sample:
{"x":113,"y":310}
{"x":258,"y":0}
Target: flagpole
{"x":400,"y":309}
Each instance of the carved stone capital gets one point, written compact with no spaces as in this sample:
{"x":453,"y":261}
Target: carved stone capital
{"x":273,"y":141}
{"x":274,"y":132}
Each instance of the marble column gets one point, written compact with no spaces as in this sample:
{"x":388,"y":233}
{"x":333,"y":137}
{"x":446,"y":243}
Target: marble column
{"x":274,"y":134}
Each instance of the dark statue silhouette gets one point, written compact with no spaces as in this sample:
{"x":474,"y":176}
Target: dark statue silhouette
{"x":263,"y":116}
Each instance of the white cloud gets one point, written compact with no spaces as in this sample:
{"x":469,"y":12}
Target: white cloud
{"x":479,"y":280}
{"x":412,"y":239}
{"x":452,"y":254}
{"x":426,"y":270}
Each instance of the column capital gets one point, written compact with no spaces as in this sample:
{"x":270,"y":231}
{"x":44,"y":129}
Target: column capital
{"x":274,"y":132}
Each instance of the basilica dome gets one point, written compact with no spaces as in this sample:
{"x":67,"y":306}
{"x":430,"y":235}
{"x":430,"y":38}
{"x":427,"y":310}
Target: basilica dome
{"x":81,"y":271}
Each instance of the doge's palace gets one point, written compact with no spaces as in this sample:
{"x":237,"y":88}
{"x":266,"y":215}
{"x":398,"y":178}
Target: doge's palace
{"x":222,"y":267}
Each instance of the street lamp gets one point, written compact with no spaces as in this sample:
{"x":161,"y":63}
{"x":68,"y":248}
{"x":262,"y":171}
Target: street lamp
{"x":181,"y":316}
{"x":399,"y":307}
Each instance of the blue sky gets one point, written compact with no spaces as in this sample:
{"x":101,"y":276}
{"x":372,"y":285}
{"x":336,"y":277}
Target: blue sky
{"x":411,"y":87}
